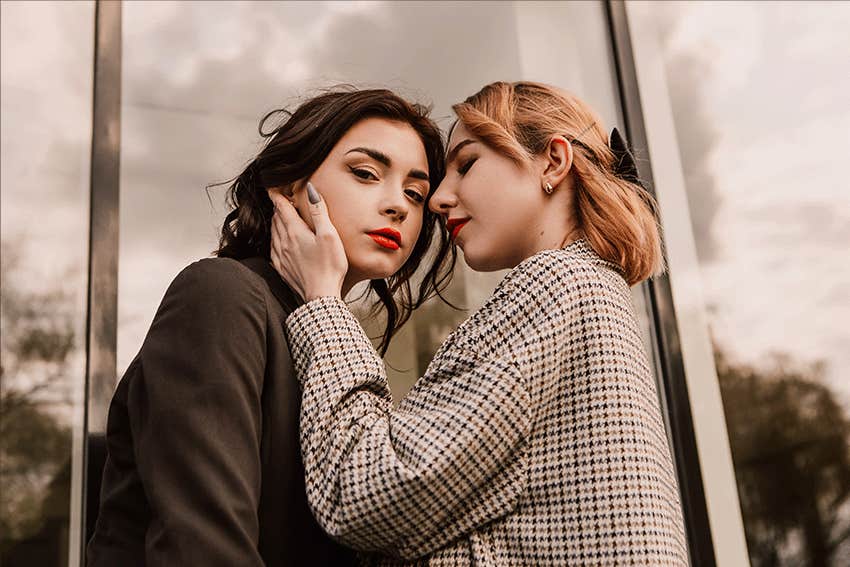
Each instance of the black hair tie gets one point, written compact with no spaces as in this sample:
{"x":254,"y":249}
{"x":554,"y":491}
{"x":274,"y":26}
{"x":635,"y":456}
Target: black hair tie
{"x":624,"y":165}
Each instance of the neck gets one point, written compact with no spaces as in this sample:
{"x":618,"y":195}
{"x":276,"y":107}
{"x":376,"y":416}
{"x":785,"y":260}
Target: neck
{"x":575,"y":234}
{"x":347,"y":283}
{"x":563,"y":220}
{"x":559,"y":227}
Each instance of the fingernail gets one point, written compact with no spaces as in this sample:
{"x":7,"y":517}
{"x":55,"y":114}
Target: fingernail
{"x":312,"y":194}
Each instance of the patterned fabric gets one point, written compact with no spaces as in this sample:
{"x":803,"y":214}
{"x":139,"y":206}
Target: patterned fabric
{"x":534,"y":438}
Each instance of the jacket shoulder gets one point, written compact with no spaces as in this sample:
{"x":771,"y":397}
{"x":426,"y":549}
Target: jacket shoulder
{"x":218,"y":269}
{"x":215,"y":290}
{"x":221,"y":278}
{"x":562,"y":277}
{"x":542,"y":293}
{"x":543,"y":281}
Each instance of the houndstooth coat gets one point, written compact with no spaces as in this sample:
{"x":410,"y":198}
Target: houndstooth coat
{"x":534,"y":438}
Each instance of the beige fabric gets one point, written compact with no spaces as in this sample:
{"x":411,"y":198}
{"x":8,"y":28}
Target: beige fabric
{"x":534,"y":438}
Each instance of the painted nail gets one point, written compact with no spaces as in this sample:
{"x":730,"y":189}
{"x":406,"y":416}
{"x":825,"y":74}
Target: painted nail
{"x":312,"y":194}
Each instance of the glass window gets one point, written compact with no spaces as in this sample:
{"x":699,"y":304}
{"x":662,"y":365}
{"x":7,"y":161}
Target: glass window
{"x":758,"y":94}
{"x":46,"y":84}
{"x":198,"y":76}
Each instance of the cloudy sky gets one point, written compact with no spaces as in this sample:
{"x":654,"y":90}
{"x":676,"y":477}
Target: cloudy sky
{"x":197,"y":77}
{"x":759,"y":93}
{"x":760,"y":97}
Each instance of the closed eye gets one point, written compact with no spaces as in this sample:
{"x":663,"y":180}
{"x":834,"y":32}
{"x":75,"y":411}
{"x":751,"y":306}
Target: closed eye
{"x":466,"y":165}
{"x":364,"y":174}
{"x":415,"y":195}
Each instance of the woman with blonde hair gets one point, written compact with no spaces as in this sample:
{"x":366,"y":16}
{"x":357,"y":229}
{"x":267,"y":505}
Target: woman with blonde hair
{"x":535,"y":436}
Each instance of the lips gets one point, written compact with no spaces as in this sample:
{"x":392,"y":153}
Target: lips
{"x":386,"y":237}
{"x":454,"y":226}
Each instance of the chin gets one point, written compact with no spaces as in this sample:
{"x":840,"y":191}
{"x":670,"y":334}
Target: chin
{"x":479,"y":263}
{"x":482,"y":262}
{"x":375,"y":268}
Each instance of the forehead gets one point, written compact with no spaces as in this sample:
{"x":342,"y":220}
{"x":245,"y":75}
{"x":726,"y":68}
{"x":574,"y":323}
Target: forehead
{"x":459,"y":133}
{"x":398,"y":140}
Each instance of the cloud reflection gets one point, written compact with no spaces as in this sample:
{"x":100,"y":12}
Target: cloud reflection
{"x":760,"y":101}
{"x":198,"y":76}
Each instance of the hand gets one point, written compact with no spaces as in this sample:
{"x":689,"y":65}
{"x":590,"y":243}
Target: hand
{"x":312,"y":263}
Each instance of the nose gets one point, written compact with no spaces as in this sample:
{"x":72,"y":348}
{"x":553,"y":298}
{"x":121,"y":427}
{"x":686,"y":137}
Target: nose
{"x":395,"y":206}
{"x":443,"y":199}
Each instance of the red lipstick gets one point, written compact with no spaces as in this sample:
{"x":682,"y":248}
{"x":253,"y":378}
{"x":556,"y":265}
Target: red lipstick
{"x":386,"y":237}
{"x":454,"y":226}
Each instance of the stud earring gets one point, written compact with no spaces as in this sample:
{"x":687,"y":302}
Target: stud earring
{"x":548,"y":188}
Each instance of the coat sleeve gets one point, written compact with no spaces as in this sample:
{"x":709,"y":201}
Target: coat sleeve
{"x":406,"y":482}
{"x":195,"y":418}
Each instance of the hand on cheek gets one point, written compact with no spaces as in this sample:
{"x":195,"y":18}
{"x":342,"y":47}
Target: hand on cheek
{"x":297,"y":195}
{"x":313,"y":263}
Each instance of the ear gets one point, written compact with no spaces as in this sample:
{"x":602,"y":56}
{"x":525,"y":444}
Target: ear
{"x":558,"y":161}
{"x":281,"y":190}
{"x":290,"y":191}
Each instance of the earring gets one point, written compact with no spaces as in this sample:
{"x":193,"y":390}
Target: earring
{"x":548,"y":188}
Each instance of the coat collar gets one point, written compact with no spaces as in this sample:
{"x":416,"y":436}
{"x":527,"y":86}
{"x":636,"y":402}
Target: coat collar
{"x":288,"y":299}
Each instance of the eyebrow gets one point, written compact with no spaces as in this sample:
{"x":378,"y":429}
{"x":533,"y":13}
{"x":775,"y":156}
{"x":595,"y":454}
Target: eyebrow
{"x":453,"y":152}
{"x":385,"y":159}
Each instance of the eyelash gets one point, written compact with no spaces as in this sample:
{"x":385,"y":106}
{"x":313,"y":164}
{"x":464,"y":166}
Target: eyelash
{"x":416,"y":196}
{"x":364,"y":174}
{"x":465,"y":167}
{"x":367,"y":175}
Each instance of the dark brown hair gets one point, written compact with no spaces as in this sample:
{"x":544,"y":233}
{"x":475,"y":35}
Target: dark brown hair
{"x":294,"y":150}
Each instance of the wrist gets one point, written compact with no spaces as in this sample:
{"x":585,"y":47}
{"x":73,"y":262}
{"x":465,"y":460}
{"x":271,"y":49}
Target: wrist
{"x":318,"y":293}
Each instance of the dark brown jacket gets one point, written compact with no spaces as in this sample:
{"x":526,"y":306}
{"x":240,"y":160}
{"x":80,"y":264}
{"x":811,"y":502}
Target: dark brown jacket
{"x":203,"y":463}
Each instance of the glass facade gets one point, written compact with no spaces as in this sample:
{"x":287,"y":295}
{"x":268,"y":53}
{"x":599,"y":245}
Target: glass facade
{"x":189,"y":118}
{"x":747,"y":123}
{"x":46,"y":84}
{"x":758,"y":100}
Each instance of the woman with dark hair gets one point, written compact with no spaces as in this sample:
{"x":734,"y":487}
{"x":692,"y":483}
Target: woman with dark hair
{"x":535,"y":436}
{"x":203,"y":462}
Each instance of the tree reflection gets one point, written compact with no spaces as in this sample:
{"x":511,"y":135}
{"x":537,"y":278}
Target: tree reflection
{"x":38,"y":342}
{"x":789,"y":437}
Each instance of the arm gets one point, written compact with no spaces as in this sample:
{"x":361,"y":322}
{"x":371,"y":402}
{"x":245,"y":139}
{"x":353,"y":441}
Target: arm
{"x":195,"y":417}
{"x":410,"y":481}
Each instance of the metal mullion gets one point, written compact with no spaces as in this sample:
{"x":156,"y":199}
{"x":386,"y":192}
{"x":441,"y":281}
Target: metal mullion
{"x":664,"y":325}
{"x":102,"y":312}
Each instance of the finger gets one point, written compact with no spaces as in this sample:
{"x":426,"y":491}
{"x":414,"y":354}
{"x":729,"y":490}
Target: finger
{"x":277,"y":200}
{"x":275,"y":257}
{"x":280,"y":237}
{"x":319,"y":211}
{"x":278,"y":230}
{"x":301,"y":202}
{"x":275,"y":239}
{"x":289,"y":217}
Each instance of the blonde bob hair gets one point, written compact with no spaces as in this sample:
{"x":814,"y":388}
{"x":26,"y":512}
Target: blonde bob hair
{"x":618,"y":218}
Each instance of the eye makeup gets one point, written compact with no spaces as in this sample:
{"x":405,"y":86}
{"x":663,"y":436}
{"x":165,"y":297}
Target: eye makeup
{"x":363,"y":173}
{"x":415,"y":195}
{"x":466,"y":165}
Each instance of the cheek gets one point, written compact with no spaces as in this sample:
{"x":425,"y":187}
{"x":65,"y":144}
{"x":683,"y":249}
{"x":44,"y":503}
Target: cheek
{"x":505,"y":225}
{"x":488,"y":188}
{"x":340,"y":198}
{"x":495,"y":200}
{"x":350,"y":232}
